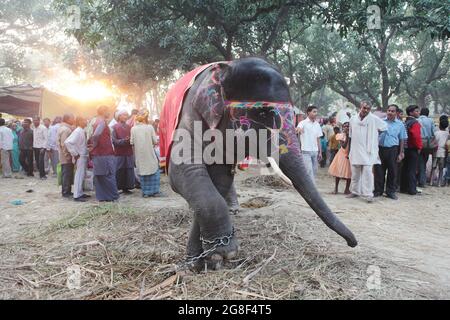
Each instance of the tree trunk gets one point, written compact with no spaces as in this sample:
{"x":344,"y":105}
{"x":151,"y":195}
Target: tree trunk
{"x":139,"y":96}
{"x":229,"y":54}
{"x":421,"y":100}
{"x":385,"y":86}
{"x":305,"y":100}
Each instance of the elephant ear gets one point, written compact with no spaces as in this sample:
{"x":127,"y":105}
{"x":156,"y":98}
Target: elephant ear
{"x":209,"y":100}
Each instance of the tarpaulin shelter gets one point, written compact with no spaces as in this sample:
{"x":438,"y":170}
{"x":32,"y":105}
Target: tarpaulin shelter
{"x":29,"y":101}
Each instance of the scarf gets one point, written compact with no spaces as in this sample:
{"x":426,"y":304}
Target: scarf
{"x":257,"y":104}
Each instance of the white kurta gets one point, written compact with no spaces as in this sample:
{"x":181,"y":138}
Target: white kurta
{"x":77,"y":146}
{"x":143,"y":138}
{"x":6,"y":145}
{"x":76,"y":143}
{"x":6,"y":138}
{"x":40,"y":136}
{"x":364,"y":143}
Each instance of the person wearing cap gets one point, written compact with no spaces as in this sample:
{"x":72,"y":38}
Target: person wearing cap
{"x":102,"y":153}
{"x":76,"y":144}
{"x":143,"y":138}
{"x":123,"y":150}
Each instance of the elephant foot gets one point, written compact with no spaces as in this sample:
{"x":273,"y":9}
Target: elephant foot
{"x":234,"y":211}
{"x":214,"y":254}
{"x":233,"y":207}
{"x":221,"y":254}
{"x":195,"y":266}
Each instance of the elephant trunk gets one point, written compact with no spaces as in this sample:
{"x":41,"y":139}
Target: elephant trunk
{"x":292,"y":165}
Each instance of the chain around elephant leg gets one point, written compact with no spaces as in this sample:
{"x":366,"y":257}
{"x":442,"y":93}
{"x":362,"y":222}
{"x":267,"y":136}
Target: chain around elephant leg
{"x":215,"y":251}
{"x":225,"y":248}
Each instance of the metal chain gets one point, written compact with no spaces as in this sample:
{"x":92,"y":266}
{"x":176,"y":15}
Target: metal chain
{"x":217,"y":242}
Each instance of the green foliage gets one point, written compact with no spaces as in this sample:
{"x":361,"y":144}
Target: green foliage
{"x":143,"y":45}
{"x":21,"y":24}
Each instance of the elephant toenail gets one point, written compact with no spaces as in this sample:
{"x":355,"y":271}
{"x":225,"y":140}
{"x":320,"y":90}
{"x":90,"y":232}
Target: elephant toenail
{"x":216,"y":258}
{"x":230,"y":255}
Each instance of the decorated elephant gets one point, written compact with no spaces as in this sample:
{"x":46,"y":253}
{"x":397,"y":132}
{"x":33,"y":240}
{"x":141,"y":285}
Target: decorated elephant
{"x":241,"y":95}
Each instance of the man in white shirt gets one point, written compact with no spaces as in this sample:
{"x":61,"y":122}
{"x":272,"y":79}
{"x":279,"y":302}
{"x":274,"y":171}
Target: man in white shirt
{"x":76,"y":144}
{"x":52,"y":147}
{"x":364,"y":129}
{"x":6,"y":145}
{"x":40,"y":136}
{"x":47,"y":122}
{"x":310,"y":133}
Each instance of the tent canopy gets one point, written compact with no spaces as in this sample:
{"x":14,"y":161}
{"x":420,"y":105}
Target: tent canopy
{"x":29,"y":101}
{"x":20,"y":100}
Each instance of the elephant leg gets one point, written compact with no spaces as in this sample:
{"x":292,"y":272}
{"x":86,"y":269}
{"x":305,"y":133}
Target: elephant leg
{"x":232,"y":201}
{"x":194,"y":246}
{"x":222,"y":178}
{"x":205,"y":190}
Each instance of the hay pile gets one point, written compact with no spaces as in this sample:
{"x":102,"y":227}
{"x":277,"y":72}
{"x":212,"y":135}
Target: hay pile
{"x":271,"y":181}
{"x":123,"y":253}
{"x":257,"y":202}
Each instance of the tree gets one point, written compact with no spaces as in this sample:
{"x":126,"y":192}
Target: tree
{"x":23,"y":24}
{"x":173,"y":35}
{"x":431,"y":63}
{"x":139,"y":44}
{"x":397,"y":18}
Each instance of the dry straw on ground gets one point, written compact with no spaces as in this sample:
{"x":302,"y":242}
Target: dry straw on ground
{"x":271,"y":181}
{"x":124,"y":252}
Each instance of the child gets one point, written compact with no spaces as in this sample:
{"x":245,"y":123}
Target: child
{"x":340,"y":167}
{"x":334,"y":144}
{"x":439,"y":161}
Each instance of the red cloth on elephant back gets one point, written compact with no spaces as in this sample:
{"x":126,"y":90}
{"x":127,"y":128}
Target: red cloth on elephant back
{"x":172,"y":110}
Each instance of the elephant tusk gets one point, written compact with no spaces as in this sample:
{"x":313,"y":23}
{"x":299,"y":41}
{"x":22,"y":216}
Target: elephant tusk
{"x":278,"y":171}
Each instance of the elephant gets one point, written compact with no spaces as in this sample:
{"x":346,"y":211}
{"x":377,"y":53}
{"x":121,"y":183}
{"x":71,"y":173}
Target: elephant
{"x":241,"y":94}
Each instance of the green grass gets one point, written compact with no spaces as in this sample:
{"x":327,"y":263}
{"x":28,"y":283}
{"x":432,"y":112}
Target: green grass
{"x":91,"y":214}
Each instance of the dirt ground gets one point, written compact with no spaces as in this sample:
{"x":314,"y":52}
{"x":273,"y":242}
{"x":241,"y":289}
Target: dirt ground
{"x":127,"y":250}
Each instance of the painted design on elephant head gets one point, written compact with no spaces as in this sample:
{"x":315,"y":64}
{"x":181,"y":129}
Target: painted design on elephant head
{"x":242,"y":113}
{"x":244,"y":123}
{"x":257,"y":104}
{"x":288,"y":137}
{"x":283,"y":120}
{"x":210,"y":95}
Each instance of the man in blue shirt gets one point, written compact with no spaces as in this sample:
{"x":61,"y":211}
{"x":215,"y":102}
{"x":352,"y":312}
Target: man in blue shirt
{"x":427,"y":133}
{"x":391,"y":152}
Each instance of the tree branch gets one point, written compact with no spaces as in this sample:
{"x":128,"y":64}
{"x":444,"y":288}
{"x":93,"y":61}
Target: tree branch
{"x":281,"y":17}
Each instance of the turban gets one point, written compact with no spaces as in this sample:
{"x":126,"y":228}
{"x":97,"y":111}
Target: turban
{"x":142,"y":116}
{"x":121,"y":112}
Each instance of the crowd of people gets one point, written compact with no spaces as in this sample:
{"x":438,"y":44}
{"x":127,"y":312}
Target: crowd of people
{"x":375,"y":155}
{"x":378,"y":155}
{"x":120,"y":151}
